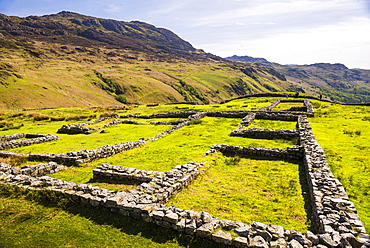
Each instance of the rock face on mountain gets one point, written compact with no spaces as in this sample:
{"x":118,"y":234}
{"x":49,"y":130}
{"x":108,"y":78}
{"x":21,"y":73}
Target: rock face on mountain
{"x":73,"y":60}
{"x":75,"y":29}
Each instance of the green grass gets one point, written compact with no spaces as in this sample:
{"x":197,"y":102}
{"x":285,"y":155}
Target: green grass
{"x":233,"y":188}
{"x":287,"y":105}
{"x":344,"y":133}
{"x":272,"y":124}
{"x":190,"y":143}
{"x":248,"y":190}
{"x":33,"y":220}
{"x":115,"y":134}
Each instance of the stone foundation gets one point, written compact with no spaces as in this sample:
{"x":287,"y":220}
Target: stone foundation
{"x":31,"y":139}
{"x":334,"y":217}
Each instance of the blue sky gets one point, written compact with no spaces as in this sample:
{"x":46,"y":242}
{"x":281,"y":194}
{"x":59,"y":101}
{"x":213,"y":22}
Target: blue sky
{"x":282,"y":31}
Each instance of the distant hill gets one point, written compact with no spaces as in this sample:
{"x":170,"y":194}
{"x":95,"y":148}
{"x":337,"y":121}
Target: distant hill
{"x":248,"y":59}
{"x":334,"y":81}
{"x":72,"y":60}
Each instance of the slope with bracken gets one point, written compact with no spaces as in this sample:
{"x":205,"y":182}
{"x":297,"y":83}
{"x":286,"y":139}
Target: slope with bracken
{"x":72,"y":60}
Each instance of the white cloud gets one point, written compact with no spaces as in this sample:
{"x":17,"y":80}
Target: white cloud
{"x":344,"y":42}
{"x":286,"y":31}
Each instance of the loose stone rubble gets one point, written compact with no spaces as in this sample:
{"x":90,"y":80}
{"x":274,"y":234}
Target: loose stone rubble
{"x":334,"y":217}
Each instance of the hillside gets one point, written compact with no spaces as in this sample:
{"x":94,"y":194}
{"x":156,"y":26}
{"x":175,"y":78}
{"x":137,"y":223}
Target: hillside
{"x":72,"y":60}
{"x":334,"y":81}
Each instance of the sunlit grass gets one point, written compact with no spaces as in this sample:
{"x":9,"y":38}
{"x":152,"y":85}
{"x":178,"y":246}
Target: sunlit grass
{"x":344,"y":133}
{"x":248,"y":190}
{"x":245,"y":190}
{"x":272,"y":124}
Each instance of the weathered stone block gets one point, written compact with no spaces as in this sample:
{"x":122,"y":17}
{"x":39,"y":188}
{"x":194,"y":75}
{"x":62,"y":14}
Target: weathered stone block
{"x":222,"y":237}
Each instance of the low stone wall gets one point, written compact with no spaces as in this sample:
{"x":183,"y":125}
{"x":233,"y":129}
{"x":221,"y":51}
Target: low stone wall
{"x":202,"y":224}
{"x":289,"y":154}
{"x":250,"y":117}
{"x":76,"y":158}
{"x":258,"y":133}
{"x":85,"y":156}
{"x":172,"y":114}
{"x":276,"y":116}
{"x":31,"y":139}
{"x":332,"y":211}
{"x":196,"y":116}
{"x":176,"y":122}
{"x":247,"y":121}
{"x":300,"y":109}
{"x":334,"y":217}
{"x":120,"y":173}
{"x":307,"y":105}
{"x":165,"y":185}
{"x":31,"y":170}
{"x":80,"y":128}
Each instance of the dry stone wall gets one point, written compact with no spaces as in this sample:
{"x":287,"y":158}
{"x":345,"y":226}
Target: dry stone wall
{"x":258,"y":133}
{"x":288,"y":154}
{"x":307,"y":106}
{"x":334,"y":217}
{"x":30,"y":170}
{"x":122,"y":174}
{"x":332,"y":211}
{"x":30,"y":139}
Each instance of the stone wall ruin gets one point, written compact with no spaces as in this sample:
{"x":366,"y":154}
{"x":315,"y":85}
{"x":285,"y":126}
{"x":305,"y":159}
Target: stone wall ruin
{"x":334,"y":217}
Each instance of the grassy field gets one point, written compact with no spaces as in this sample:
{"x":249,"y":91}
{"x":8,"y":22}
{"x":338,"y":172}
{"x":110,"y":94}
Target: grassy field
{"x":233,"y":188}
{"x":344,"y":133}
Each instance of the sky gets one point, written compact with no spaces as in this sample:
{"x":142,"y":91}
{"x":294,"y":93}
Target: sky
{"x":282,"y":31}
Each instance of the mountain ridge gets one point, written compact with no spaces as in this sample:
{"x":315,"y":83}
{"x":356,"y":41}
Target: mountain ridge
{"x":336,"y":81}
{"x":72,"y":60}
{"x":89,"y":31}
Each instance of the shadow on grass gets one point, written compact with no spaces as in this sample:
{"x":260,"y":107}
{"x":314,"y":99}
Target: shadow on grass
{"x":127,"y":225}
{"x":306,"y":195}
{"x":109,"y":181}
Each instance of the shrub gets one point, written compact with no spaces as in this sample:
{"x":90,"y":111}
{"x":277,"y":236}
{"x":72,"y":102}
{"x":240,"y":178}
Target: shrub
{"x":195,"y":122}
{"x":348,"y":132}
{"x":351,"y":133}
{"x":54,"y":118}
{"x":14,"y":161}
{"x":107,"y":114}
{"x":232,"y":160}
{"x":40,"y":117}
{"x":152,"y":105}
{"x":122,"y":99}
{"x":80,"y":117}
{"x":5,"y":124}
